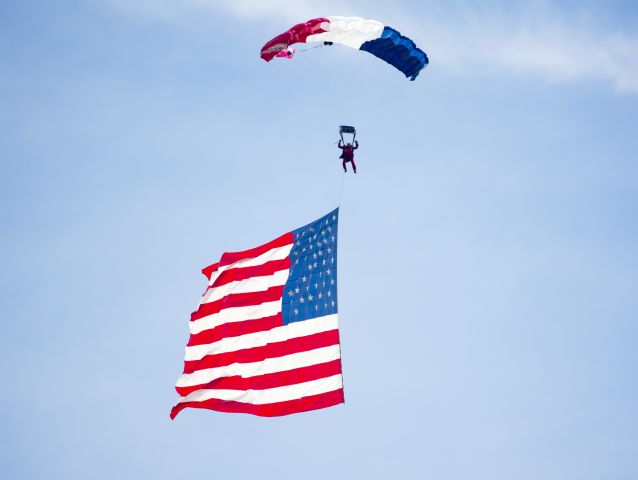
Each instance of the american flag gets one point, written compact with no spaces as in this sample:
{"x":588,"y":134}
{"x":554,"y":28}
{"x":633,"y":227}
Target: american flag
{"x":265,"y":337}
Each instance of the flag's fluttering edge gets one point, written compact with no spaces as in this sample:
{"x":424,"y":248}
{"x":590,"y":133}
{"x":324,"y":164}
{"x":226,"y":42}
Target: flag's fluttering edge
{"x":265,"y":338}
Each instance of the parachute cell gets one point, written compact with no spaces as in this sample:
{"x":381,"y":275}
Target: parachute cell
{"x":296,"y":34}
{"x":371,"y":36}
{"x":399,"y":51}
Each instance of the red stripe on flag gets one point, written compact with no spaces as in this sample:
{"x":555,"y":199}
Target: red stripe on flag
{"x":243,"y":273}
{"x":269,"y":380}
{"x":208,"y":271}
{"x":229,"y":258}
{"x":305,"y":404}
{"x":259,"y":354}
{"x":238,"y":300}
{"x":235,"y":329}
{"x":278,"y":379}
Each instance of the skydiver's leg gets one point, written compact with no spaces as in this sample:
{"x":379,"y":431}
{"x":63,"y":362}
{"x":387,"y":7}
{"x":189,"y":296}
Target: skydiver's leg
{"x":343,"y":164}
{"x":354,"y":165}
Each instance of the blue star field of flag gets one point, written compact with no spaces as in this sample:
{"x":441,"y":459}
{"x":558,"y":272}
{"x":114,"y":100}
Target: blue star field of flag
{"x":311,"y":289}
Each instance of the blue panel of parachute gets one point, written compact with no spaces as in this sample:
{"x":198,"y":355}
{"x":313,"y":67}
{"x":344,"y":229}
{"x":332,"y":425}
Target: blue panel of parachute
{"x":399,"y":51}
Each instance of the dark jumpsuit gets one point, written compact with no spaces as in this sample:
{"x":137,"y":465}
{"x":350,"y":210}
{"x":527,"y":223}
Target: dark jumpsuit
{"x":347,"y":155}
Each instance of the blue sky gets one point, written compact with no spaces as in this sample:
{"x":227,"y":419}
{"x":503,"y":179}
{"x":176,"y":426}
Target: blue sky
{"x":488,"y":268}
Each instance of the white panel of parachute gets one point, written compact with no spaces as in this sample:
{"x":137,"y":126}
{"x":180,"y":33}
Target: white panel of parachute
{"x":349,"y":31}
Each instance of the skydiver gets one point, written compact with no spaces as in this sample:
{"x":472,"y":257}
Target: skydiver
{"x":347,"y":154}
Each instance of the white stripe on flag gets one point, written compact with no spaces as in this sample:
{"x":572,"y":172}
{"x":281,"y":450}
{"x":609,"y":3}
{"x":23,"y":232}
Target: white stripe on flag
{"x":235,"y":314}
{"x":269,"y":365}
{"x":278,"y":253}
{"x":259,"y":339}
{"x":249,"y":285}
{"x":271,"y":395}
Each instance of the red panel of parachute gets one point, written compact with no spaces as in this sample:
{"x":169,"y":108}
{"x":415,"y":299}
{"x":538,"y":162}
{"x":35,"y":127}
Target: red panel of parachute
{"x":296,"y":34}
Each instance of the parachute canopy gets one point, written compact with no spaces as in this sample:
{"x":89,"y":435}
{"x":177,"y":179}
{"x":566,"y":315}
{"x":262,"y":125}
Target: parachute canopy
{"x":354,"y":32}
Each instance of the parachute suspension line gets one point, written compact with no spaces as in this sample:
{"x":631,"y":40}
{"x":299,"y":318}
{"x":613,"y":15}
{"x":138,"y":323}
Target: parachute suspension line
{"x":343,"y":181}
{"x":310,"y":48}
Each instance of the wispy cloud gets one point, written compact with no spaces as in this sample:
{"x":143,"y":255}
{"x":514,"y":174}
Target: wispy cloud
{"x":537,"y":40}
{"x":541,"y":42}
{"x":289,"y":10}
